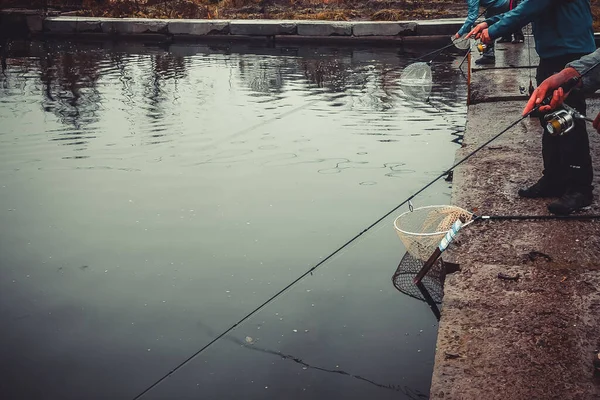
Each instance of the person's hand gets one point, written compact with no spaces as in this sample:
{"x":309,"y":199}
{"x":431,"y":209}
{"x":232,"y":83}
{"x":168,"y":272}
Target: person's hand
{"x":551,"y":84}
{"x":596,"y":123}
{"x":457,"y":36}
{"x":476,"y":32}
{"x":485,"y":37}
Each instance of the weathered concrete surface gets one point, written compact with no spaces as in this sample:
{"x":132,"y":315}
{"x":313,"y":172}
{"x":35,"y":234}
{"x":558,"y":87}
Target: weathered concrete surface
{"x":439,"y":27}
{"x":194,"y":27}
{"x":262,"y":27}
{"x":324,"y":28}
{"x":534,"y":338}
{"x":133,"y":26}
{"x":509,"y":78}
{"x":35,"y":23}
{"x":60,"y":24}
{"x":383,"y":28}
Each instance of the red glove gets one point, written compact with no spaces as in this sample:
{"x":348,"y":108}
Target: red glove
{"x":596,"y":123}
{"x":485,"y":37}
{"x":476,"y":32}
{"x":551,"y":84}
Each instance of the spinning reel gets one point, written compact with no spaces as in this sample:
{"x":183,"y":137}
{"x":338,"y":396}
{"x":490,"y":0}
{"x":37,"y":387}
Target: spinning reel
{"x":563,"y":121}
{"x":482,"y":47}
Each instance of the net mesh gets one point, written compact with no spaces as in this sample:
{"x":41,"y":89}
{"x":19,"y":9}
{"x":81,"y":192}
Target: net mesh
{"x":422,"y":229}
{"x":416,"y":81}
{"x":461,"y":43}
{"x":431,"y":288}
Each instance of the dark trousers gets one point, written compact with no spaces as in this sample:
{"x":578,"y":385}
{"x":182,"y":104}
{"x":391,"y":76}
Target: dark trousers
{"x":567,"y":159}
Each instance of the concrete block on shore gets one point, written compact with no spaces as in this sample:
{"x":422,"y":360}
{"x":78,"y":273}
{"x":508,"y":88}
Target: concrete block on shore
{"x":60,"y":24}
{"x":324,"y":28}
{"x":89,"y":25}
{"x":198,"y":27}
{"x":383,"y":28}
{"x":133,"y":26}
{"x":263,"y":27}
{"x":35,"y":23}
{"x":438,"y":27}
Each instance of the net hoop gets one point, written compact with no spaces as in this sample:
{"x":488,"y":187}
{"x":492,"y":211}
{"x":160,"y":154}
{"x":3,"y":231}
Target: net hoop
{"x":398,"y":218}
{"x":422,"y":229}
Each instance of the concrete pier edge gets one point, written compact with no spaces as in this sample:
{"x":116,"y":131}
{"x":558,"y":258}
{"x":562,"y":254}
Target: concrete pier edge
{"x":535,"y":337}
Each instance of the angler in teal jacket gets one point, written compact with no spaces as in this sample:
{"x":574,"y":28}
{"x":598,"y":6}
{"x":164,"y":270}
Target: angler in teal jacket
{"x":563,"y":33}
{"x":559,"y":27}
{"x":492,"y":7}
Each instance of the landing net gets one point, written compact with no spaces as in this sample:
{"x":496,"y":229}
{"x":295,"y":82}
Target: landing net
{"x":422,"y":229}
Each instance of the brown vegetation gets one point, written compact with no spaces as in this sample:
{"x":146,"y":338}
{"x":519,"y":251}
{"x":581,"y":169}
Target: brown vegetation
{"x":336,"y":10}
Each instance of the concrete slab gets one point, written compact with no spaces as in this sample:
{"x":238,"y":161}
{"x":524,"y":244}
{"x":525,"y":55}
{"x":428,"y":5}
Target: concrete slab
{"x":89,"y":25}
{"x":324,"y":28}
{"x":263,"y":27}
{"x":530,"y":339}
{"x":198,"y":27}
{"x":493,"y":85}
{"x":439,"y":27}
{"x":383,"y":28}
{"x":60,"y":24}
{"x":35,"y":23}
{"x":129,"y":26}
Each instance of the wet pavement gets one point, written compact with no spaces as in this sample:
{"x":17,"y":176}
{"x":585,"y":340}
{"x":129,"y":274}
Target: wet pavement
{"x":150,"y":198}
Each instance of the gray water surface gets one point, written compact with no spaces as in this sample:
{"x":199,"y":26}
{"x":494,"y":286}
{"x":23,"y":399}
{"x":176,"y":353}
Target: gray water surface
{"x":150,"y":198}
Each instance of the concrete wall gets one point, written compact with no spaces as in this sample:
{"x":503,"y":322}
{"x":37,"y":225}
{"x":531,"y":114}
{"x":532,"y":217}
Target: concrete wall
{"x":198,"y":29}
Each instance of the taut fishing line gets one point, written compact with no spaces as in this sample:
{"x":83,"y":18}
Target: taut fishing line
{"x":529,"y":34}
{"x":566,"y":87}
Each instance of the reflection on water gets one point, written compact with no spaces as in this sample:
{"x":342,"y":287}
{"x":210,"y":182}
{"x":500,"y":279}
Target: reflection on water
{"x":148,"y":188}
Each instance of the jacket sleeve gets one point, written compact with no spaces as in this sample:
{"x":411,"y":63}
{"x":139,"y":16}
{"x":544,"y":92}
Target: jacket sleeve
{"x":471,"y":17}
{"x":591,"y":80}
{"x":524,"y":13}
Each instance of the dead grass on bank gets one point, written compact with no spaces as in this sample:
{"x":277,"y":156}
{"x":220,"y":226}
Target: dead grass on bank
{"x":333,"y":10}
{"x":336,"y":10}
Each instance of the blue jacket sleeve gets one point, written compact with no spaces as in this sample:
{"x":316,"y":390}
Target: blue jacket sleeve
{"x":471,"y":17}
{"x":524,"y":13}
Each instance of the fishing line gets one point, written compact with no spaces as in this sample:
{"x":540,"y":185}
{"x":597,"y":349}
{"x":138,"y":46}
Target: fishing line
{"x":531,"y":89}
{"x":566,"y":87}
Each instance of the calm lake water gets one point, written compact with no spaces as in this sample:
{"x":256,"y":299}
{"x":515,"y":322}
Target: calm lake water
{"x":152,"y":197}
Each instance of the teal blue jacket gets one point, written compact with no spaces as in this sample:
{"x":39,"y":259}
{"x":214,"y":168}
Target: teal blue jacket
{"x":474,"y":5}
{"x":559,"y":27}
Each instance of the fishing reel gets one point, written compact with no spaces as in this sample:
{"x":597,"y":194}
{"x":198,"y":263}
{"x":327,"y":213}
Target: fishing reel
{"x":562,"y":121}
{"x":482,"y":47}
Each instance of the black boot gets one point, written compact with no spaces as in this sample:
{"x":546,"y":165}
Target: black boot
{"x":570,"y":202}
{"x":519,"y":37}
{"x":542,"y":188}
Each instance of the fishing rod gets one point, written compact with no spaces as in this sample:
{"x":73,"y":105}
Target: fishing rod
{"x":566,"y":87}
